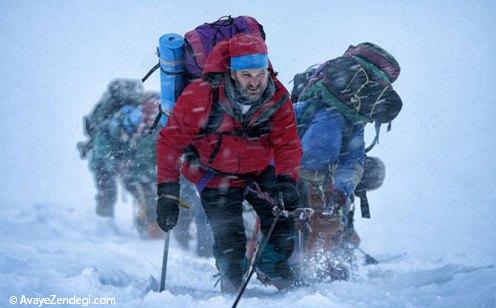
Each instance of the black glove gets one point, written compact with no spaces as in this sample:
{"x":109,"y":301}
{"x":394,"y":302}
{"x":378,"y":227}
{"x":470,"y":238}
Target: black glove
{"x":167,"y":205}
{"x":287,"y":187}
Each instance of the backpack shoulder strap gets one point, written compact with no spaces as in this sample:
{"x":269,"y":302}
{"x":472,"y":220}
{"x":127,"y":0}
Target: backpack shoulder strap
{"x":215,"y":116}
{"x":376,"y":138}
{"x":364,"y":203}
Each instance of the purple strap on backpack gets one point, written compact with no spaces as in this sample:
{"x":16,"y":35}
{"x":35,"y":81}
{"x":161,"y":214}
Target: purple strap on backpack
{"x":201,"y":40}
{"x":209,"y":175}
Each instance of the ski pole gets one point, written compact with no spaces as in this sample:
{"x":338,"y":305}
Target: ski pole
{"x":164,"y":261}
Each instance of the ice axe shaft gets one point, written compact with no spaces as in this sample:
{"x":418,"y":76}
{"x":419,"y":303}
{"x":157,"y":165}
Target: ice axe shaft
{"x":278,"y":211}
{"x":257,"y":257}
{"x":164,"y":261}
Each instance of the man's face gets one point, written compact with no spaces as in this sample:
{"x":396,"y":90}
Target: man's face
{"x":252,"y":83}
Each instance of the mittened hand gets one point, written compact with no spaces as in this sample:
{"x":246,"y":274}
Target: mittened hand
{"x":167,"y":205}
{"x":287,"y":187}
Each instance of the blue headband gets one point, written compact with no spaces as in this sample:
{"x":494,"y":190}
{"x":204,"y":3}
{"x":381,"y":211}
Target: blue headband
{"x":249,"y":62}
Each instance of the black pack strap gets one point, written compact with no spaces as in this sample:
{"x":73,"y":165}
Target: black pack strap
{"x":216,"y":149}
{"x":364,"y":203}
{"x":157,"y":118}
{"x":215,"y":94}
{"x":193,"y":157}
{"x":267,"y":114}
{"x":170,"y":73}
{"x":214,"y":121}
{"x":376,"y":138}
{"x":221,"y":22}
{"x":150,"y":72}
{"x":239,"y":133}
{"x":215,"y":116}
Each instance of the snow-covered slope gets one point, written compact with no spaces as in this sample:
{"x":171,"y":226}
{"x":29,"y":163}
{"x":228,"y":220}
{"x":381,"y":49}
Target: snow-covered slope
{"x":432,"y":221}
{"x":60,"y":251}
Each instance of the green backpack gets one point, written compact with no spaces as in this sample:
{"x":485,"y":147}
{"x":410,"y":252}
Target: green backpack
{"x":358,"y":85}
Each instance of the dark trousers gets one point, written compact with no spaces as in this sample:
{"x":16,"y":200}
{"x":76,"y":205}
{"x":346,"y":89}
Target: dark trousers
{"x":224,"y":212}
{"x":106,"y":196}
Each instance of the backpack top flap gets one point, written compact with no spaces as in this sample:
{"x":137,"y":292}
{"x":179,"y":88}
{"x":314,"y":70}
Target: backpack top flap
{"x":200,"y":41}
{"x":379,"y":57}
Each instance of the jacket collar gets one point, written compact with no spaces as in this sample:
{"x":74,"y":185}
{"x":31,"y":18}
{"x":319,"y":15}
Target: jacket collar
{"x":235,"y":98}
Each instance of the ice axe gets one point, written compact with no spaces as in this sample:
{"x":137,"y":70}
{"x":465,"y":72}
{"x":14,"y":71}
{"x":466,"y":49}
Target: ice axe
{"x":166,"y":247}
{"x":152,"y":284}
{"x":164,"y":261}
{"x":165,"y":256}
{"x":278,"y":211}
{"x":259,"y":250}
{"x":152,"y":281}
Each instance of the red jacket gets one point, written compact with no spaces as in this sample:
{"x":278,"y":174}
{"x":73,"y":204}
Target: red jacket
{"x":237,"y":154}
